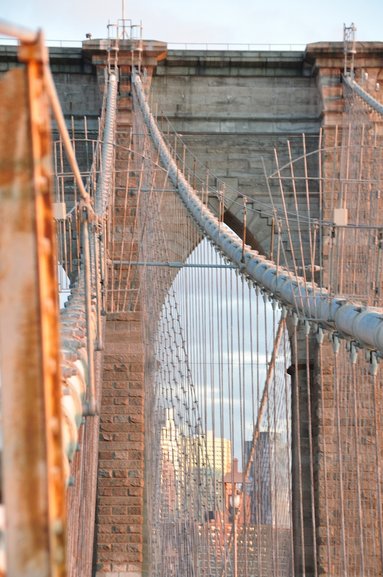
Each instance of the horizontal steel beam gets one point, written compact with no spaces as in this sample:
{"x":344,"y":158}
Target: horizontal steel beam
{"x":174,"y":264}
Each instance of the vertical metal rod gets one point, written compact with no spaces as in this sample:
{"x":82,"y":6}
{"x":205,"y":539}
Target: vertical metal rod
{"x":205,"y":200}
{"x":183,"y":158}
{"x":103,"y":280}
{"x":331,"y":274}
{"x":271,"y":251}
{"x":378,"y":464}
{"x":64,"y":135}
{"x":64,"y":242}
{"x":70,"y":232}
{"x":244,"y":227}
{"x":123,"y":18}
{"x":377,"y":291}
{"x":293,"y":182}
{"x":320,"y":218}
{"x":308,"y":204}
{"x":175,"y":148}
{"x":235,"y":529}
{"x":97,"y":280}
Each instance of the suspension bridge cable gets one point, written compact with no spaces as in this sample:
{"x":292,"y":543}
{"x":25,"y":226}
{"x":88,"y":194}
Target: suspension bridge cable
{"x":364,"y":326}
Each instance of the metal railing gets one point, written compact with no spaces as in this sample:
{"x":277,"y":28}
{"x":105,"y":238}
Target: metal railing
{"x":206,"y":46}
{"x":238,"y":46}
{"x":62,"y":43}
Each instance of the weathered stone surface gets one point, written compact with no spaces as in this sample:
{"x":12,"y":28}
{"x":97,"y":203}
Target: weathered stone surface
{"x":232,"y":108}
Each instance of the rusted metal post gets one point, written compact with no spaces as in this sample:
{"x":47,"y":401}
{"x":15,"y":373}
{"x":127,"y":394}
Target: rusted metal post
{"x":33,"y":473}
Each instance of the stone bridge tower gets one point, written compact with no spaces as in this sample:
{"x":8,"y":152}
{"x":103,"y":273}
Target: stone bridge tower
{"x":230,"y":107}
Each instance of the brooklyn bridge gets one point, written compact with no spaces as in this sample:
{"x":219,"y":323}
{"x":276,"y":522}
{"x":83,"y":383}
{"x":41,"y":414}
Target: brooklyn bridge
{"x":191,"y":304}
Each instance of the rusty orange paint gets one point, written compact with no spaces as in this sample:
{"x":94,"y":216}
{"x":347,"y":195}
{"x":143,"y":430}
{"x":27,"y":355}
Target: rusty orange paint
{"x":34,"y":487}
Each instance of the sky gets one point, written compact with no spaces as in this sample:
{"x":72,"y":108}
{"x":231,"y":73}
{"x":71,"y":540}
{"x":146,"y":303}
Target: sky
{"x":203,"y":21}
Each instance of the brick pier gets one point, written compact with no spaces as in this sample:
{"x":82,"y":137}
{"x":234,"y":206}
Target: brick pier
{"x":121,"y":449}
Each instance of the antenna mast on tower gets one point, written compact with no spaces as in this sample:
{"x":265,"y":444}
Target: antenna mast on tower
{"x":349,"y":49}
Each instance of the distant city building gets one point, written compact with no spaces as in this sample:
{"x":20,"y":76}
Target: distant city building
{"x":210,"y":461}
{"x":269,"y":487}
{"x":201,"y":461}
{"x":170,"y":465}
{"x":217,"y":452}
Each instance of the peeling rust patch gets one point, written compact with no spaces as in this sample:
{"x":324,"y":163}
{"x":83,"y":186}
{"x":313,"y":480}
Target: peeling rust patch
{"x":34,"y":488}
